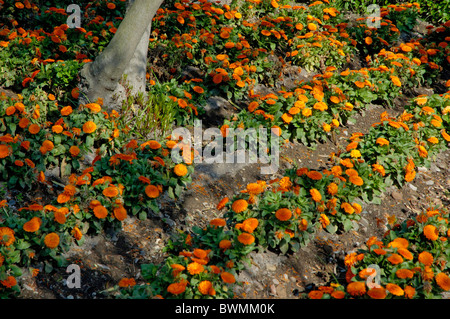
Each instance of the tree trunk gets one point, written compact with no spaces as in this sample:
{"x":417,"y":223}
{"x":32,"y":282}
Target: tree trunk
{"x":125,"y":54}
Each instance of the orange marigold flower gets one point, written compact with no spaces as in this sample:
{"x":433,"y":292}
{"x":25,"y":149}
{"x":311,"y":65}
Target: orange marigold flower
{"x":51,"y":240}
{"x":377,"y":293}
{"x":76,"y":233}
{"x":219,"y":222}
{"x":356,"y":288}
{"x":250,"y":224}
{"x":225,"y":244}
{"x":205,"y":287}
{"x":314,"y":175}
{"x":32,"y":225}
{"x":180,"y":170}
{"x":100,"y":211}
{"x":395,"y":259}
{"x":34,"y":128}
{"x":6,"y":236}
{"x":177,"y":288}
{"x":111,"y":191}
{"x":239,"y":205}
{"x":89,"y":127}
{"x":409,"y":292}
{"x":315,"y":294}
{"x":9,"y":282}
{"x":74,"y":151}
{"x":315,"y":194}
{"x":228,"y":277}
{"x":127,"y":282}
{"x":152,"y":191}
{"x":404,"y":273}
{"x":338,"y":294}
{"x":395,"y":289}
{"x":443,"y":281}
{"x":283,"y":214}
{"x":5,"y":150}
{"x":222,"y":203}
{"x":246,"y":239}
{"x":426,"y":258}
{"x":120,"y":213}
{"x":431,"y":232}
{"x":66,"y":110}
{"x":195,"y":268}
{"x":399,"y":242}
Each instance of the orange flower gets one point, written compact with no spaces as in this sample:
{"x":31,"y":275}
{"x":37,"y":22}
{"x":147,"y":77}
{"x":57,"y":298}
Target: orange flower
{"x":120,"y":213}
{"x":228,"y":277}
{"x":443,"y":281}
{"x":152,"y":191}
{"x":315,"y":194}
{"x":396,"y":80}
{"x":6,"y":236}
{"x":77,"y":234}
{"x":60,"y":216}
{"x":180,"y":170}
{"x":127,"y":282}
{"x":5,"y":150}
{"x":89,"y":127}
{"x":205,"y":287}
{"x":377,"y":293}
{"x":404,"y":273}
{"x":250,"y":224}
{"x":395,"y":289}
{"x":324,"y":221}
{"x":111,"y":191}
{"x":74,"y":150}
{"x":246,"y":239}
{"x":10,"y":281}
{"x":409,"y":292}
{"x":395,"y":259}
{"x":32,"y":225}
{"x":94,"y":107}
{"x":431,"y":232}
{"x":368,"y":40}
{"x":239,"y":205}
{"x":283,"y":214}
{"x":195,"y":268}
{"x":218,"y":222}
{"x":177,"y":288}
{"x":315,"y":294}
{"x":34,"y":129}
{"x":312,"y":27}
{"x":356,"y":288}
{"x":426,"y":258}
{"x":382,"y":141}
{"x":222,"y":203}
{"x":51,"y":240}
{"x":100,"y":211}
{"x":224,"y":244}
{"x":332,"y":189}
{"x":314,"y":175}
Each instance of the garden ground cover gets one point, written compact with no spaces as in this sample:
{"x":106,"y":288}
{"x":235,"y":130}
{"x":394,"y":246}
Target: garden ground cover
{"x":275,"y":109}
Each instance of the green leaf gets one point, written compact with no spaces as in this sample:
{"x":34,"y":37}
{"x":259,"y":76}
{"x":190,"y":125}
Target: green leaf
{"x":331,"y":228}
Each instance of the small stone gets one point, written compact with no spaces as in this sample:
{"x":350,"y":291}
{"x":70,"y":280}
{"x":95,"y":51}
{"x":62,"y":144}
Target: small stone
{"x":271,"y":267}
{"x":414,"y":188}
{"x":429,"y":183}
{"x":422,"y":169}
{"x":273,"y":290}
{"x":397,"y":195}
{"x":276,"y":282}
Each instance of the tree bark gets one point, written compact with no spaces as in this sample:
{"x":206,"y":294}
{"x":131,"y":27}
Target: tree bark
{"x":125,"y":54}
